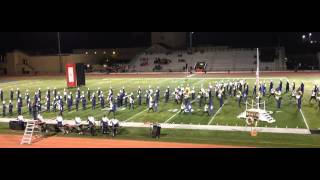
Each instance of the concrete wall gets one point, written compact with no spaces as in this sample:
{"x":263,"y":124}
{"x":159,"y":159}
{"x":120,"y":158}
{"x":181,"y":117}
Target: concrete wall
{"x":171,"y":39}
{"x":120,"y":53}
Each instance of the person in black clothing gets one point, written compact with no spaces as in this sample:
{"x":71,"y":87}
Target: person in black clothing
{"x":34,"y":110}
{"x":11,"y":94}
{"x":4,"y":108}
{"x":10,"y":108}
{"x":77,"y":102}
{"x":1,"y":95}
{"x":30,"y":107}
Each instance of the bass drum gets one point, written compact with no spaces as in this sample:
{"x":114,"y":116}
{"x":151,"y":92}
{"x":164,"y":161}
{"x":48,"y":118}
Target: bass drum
{"x":17,"y":125}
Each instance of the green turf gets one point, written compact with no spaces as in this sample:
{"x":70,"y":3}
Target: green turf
{"x":205,"y":137}
{"x":287,"y":116}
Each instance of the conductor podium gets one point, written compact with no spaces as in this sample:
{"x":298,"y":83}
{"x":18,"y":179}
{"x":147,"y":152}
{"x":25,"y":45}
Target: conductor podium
{"x":75,"y":75}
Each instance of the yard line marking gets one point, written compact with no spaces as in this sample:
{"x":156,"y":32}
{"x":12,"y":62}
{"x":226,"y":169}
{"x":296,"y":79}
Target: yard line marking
{"x":136,"y":115}
{"x":176,"y":114}
{"x":166,"y":79}
{"x":191,"y":75}
{"x":304,"y":119}
{"x":171,"y":117}
{"x":217,"y":113}
{"x":180,"y":110}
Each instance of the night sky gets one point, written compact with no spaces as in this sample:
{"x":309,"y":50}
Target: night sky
{"x":47,"y":41}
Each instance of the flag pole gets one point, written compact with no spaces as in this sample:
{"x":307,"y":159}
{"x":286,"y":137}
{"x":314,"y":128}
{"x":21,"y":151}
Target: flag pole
{"x":258,"y":73}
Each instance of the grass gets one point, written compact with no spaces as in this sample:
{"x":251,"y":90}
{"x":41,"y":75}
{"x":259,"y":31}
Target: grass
{"x":206,"y":137}
{"x":287,"y":116}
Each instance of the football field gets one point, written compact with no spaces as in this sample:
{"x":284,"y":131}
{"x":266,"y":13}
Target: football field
{"x":286,"y":117}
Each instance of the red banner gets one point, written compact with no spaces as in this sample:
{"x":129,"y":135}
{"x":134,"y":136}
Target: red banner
{"x":71,"y":75}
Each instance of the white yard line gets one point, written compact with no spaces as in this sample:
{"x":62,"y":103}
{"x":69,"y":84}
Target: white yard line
{"x":179,"y":111}
{"x":304,"y":119}
{"x":136,"y":115}
{"x":171,"y":117}
{"x":176,"y":114}
{"x":191,"y":75}
{"x":217,"y":113}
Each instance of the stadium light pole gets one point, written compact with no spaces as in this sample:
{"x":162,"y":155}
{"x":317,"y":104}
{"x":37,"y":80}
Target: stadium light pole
{"x":59,"y":51}
{"x":258,"y":73}
{"x":191,"y":38}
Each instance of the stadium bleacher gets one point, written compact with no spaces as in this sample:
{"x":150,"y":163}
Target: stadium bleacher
{"x":217,"y":59}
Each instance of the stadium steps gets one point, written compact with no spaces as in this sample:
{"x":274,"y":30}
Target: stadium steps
{"x":268,"y":117}
{"x":29,"y":132}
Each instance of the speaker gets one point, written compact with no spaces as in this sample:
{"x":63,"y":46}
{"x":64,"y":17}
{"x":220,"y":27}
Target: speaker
{"x":81,"y":77}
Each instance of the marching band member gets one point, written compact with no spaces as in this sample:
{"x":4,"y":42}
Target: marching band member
{"x":89,"y":94}
{"x":270,"y":86}
{"x":125,"y":97}
{"x":29,"y":106}
{"x":10,"y":107}
{"x":112,"y":108}
{"x":93,"y":100}
{"x":157,"y":95}
{"x":131,"y":101}
{"x":4,"y":108}
{"x":11,"y":94}
{"x":254,"y":89}
{"x":220,"y":97}
{"x":318,"y":99}
{"x":299,"y":99}
{"x":193,"y":93}
{"x":92,"y":125}
{"x":139,"y":97}
{"x":48,"y":93}
{"x":147,"y":96}
{"x":102,"y":101}
{"x":69,"y":103}
{"x":48,"y":104}
{"x":64,"y":95}
{"x":302,"y":87}
{"x":60,"y":124}
{"x":167,"y":95}
{"x":84,"y":102}
{"x":293,"y":84}
{"x":239,"y":97}
{"x":78,"y":124}
{"x":272,"y":93}
{"x":78,"y":93}
{"x":208,"y":108}
{"x":77,"y":102}
{"x":313,"y":96}
{"x":1,"y":95}
{"x":151,"y":105}
{"x":278,"y":98}
{"x":104,"y":125}
{"x":177,"y":97}
{"x":18,"y":93}
{"x":287,"y":86}
{"x":19,"y":106}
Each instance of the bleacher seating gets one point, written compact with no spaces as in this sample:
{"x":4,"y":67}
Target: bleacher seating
{"x":217,"y":59}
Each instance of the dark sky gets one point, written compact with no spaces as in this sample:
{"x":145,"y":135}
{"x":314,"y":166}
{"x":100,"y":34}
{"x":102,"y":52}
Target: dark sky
{"x":45,"y":41}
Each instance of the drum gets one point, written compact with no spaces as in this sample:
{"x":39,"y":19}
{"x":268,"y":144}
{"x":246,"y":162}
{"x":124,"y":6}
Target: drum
{"x":17,"y":125}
